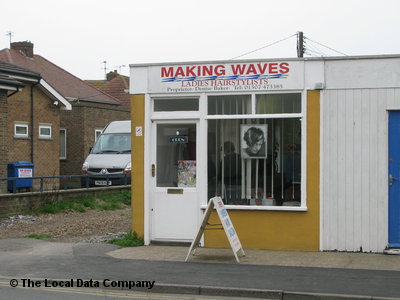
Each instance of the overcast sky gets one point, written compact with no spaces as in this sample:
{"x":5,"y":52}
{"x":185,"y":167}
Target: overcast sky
{"x":79,"y":35}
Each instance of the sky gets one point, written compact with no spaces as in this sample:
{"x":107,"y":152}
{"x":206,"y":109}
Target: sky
{"x":80,"y":36}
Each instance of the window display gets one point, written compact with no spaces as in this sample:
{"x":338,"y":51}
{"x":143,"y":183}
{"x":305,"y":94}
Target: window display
{"x":255,"y":161}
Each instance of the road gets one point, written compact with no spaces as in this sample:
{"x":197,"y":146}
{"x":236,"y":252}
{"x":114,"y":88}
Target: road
{"x":34,"y":259}
{"x":49,"y":293}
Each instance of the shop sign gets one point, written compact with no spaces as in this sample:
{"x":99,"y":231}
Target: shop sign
{"x":227,"y":226}
{"x":181,"y":139}
{"x":238,"y":77}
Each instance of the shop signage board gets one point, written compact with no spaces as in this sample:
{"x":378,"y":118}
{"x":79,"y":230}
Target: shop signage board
{"x":223,"y":77}
{"x":227,"y":225}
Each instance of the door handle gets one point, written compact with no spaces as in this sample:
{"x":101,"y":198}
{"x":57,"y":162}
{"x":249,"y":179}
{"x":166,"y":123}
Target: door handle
{"x":153,"y":170}
{"x":391,"y":178}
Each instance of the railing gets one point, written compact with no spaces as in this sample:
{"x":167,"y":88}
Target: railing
{"x":84,"y":180}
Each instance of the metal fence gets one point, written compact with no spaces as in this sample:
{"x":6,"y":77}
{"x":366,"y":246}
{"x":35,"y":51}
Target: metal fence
{"x":64,"y":182}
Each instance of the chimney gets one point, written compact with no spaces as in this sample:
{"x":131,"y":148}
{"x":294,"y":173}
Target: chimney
{"x":111,"y":75}
{"x":26,"y":48}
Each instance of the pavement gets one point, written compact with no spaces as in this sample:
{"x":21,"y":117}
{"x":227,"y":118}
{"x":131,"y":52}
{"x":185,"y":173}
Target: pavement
{"x":260,"y":274}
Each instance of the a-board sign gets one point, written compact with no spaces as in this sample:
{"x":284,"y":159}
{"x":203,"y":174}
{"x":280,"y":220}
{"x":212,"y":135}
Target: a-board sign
{"x":226,"y":224}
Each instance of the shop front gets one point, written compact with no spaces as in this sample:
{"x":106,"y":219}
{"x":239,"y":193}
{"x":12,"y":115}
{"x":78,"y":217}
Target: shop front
{"x":236,"y":130}
{"x":250,"y":132}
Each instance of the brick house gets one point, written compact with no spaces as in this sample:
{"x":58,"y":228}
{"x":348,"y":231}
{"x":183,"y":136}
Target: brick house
{"x":92,"y":109}
{"x":30,"y":114}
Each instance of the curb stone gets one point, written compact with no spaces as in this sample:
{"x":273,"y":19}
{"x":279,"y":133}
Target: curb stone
{"x":231,"y":292}
{"x":321,"y":296}
{"x":255,"y":293}
{"x":175,"y":289}
{"x":240,"y":292}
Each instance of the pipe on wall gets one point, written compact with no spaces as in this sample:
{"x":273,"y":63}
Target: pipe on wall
{"x":32,"y":122}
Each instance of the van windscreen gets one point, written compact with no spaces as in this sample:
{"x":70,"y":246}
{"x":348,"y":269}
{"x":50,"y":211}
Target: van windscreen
{"x":115,"y":143}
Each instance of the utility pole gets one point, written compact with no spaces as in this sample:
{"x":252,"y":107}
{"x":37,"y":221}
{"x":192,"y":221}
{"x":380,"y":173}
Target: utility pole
{"x":300,"y":44}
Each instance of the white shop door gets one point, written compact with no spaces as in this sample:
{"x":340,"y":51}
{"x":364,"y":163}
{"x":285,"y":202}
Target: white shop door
{"x":174,"y":194}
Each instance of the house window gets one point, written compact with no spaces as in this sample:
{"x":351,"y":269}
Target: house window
{"x":97,"y":133}
{"x":255,"y":158}
{"x":45,"y":131}
{"x":21,"y":130}
{"x":63,"y":143}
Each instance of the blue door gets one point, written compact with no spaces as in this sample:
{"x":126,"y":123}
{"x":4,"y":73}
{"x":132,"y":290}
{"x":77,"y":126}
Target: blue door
{"x":394,"y":179}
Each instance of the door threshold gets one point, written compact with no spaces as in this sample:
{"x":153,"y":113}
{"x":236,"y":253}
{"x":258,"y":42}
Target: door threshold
{"x":170,"y":243}
{"x":392,"y":251}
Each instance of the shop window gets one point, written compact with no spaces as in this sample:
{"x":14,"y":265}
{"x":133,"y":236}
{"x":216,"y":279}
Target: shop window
{"x":21,"y":130}
{"x":256,"y":161}
{"x":63,"y":143}
{"x":189,"y":104}
{"x":229,"y":105}
{"x":278,"y":103}
{"x":45,"y":131}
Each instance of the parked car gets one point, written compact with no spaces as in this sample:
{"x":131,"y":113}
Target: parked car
{"x":109,"y":161}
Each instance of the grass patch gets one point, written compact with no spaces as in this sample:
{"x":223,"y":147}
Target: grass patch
{"x":103,"y":202}
{"x":130,"y":239}
{"x":38,"y":236}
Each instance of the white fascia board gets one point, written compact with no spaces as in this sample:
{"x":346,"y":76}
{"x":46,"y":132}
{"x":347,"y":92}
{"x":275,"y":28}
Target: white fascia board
{"x":9,"y":88}
{"x":56,"y":94}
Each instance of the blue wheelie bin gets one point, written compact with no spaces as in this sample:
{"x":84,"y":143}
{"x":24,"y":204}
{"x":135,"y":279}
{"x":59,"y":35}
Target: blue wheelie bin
{"x":20,"y":169}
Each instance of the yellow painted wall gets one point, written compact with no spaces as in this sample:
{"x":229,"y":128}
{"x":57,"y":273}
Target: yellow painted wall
{"x":137,"y":117}
{"x":282,"y":230}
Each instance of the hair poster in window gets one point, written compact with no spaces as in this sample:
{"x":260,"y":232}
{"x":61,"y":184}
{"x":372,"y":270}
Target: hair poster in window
{"x":253,"y":140}
{"x":186,"y":173}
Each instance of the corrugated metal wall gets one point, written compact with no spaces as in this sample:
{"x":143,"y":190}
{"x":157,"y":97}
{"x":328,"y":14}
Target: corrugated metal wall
{"x":354,"y":191}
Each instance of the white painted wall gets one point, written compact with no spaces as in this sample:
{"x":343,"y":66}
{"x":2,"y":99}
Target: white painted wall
{"x":354,"y":187}
{"x":367,"y":72}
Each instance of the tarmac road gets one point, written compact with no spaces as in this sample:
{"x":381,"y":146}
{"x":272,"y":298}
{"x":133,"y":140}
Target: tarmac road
{"x":34,"y":259}
{"x":46,"y":293}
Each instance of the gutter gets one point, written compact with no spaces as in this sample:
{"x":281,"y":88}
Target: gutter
{"x":13,"y":93}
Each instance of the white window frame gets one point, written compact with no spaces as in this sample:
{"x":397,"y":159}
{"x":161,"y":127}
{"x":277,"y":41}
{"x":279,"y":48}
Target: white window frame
{"x":254,"y":115}
{"x":19,"y":135}
{"x":202,"y":114}
{"x":97,"y":132}
{"x":43,"y":136}
{"x":65,"y":143}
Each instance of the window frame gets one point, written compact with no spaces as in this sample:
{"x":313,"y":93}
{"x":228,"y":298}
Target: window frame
{"x":18,"y":135}
{"x":97,"y":133}
{"x":255,"y":115}
{"x":203,"y":117}
{"x":45,"y":126}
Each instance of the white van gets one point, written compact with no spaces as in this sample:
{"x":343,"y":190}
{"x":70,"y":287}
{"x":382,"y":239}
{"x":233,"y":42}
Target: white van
{"x":109,"y":161}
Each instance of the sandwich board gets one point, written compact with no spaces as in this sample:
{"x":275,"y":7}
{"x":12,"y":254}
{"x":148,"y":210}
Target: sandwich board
{"x":226,"y":224}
